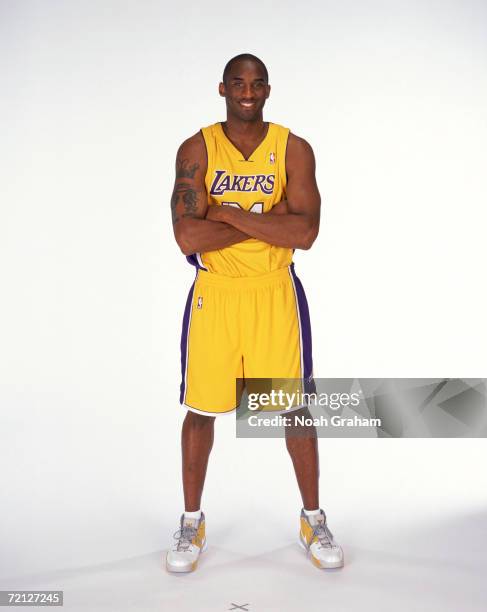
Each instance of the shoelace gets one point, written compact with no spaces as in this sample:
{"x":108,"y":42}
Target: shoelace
{"x":185,"y":536}
{"x":324,"y":535}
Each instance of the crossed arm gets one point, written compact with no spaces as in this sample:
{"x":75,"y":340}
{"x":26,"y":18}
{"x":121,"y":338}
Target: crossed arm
{"x":292,"y":223}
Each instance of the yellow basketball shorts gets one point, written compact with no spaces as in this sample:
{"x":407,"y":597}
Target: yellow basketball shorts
{"x":244,"y":327}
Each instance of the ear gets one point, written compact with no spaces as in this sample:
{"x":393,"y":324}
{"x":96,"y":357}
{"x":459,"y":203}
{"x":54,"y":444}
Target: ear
{"x":221,"y":89}
{"x":268,"y":91}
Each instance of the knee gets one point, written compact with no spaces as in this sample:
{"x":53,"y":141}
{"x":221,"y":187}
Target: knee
{"x":198,"y":421}
{"x":296,"y":429}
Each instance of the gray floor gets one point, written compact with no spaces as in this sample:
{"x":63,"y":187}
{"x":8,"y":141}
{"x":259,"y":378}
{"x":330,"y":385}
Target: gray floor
{"x":437,"y":567}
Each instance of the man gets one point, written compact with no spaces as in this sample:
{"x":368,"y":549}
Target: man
{"x":246,"y":315}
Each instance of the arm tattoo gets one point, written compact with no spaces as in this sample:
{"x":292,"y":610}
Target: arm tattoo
{"x":190,"y":200}
{"x":183,"y":170}
{"x":174,"y":202}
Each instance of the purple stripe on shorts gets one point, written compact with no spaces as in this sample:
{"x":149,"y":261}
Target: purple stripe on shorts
{"x":184,"y":341}
{"x":305,"y":325}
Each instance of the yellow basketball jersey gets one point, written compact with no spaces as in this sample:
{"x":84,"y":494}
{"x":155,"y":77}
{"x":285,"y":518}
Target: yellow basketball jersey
{"x":255,"y":185}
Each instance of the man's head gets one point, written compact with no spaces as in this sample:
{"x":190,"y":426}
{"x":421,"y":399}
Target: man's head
{"x":245,"y":86}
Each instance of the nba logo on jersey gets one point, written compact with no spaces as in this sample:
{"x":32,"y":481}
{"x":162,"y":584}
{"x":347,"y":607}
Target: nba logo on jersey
{"x":272,"y":158}
{"x":200,"y":302}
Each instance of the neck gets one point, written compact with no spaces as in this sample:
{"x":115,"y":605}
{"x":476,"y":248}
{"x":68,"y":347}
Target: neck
{"x":245,"y":129}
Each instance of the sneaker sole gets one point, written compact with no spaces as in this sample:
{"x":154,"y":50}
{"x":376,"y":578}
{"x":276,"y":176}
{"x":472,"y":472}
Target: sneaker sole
{"x":177,"y":569}
{"x":316,"y":562}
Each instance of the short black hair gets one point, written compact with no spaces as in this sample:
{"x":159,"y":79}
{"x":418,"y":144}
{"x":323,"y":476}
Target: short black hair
{"x":244,"y":57}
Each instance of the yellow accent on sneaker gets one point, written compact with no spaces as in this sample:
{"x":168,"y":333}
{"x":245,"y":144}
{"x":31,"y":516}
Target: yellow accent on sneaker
{"x":200,"y":537}
{"x":307,"y":532}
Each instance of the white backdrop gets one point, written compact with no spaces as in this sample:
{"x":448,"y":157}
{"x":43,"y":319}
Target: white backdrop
{"x":96,"y":98}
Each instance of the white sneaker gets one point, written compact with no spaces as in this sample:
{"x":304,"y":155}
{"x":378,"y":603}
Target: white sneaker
{"x":190,"y":542}
{"x":318,"y":541}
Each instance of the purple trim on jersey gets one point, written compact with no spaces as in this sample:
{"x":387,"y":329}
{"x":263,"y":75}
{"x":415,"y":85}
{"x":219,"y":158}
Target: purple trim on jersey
{"x":305,"y":326}
{"x":193,"y":260}
{"x":184,"y":341}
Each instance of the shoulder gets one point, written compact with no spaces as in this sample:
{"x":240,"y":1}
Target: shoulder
{"x":299,"y":151}
{"x":194,"y":146}
{"x":298,"y":146}
{"x":191,"y":158}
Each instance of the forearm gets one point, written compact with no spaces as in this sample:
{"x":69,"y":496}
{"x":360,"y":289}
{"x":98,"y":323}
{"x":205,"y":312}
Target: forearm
{"x":294,"y":231}
{"x":196,"y":235}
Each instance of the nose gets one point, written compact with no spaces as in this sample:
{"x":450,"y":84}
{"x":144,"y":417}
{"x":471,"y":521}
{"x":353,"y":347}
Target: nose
{"x":247,"y":93}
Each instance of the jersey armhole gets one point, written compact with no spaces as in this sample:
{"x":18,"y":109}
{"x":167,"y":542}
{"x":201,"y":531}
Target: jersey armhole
{"x":206,"y":133}
{"x":283,"y":167}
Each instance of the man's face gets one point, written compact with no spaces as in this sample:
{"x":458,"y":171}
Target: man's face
{"x":245,"y":90}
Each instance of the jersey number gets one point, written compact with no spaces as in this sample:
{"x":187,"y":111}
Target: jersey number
{"x":257,"y":207}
